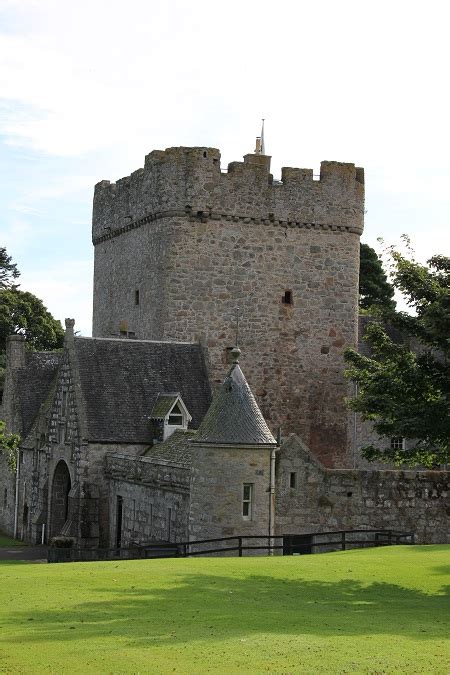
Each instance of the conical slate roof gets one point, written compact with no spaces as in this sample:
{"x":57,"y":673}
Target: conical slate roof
{"x":234,"y":417}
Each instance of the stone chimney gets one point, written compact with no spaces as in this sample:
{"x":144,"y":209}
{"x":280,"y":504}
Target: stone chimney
{"x":15,"y":360}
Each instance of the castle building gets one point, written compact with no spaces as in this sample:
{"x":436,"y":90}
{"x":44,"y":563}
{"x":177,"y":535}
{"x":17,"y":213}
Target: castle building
{"x":180,"y":244}
{"x":134,"y":435}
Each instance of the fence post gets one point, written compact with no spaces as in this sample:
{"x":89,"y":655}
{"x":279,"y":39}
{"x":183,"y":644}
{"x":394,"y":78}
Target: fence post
{"x":240,"y":546}
{"x":343,"y":540}
{"x":389,"y":537}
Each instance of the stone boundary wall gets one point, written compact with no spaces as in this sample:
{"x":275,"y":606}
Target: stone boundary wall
{"x":155,"y":499}
{"x":145,"y":469}
{"x":330,"y":499}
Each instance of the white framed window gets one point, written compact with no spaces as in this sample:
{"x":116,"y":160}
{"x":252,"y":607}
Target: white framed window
{"x":397,"y":443}
{"x":176,"y":417}
{"x":247,"y":501}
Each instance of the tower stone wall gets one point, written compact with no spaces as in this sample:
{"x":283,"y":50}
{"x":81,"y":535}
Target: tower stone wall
{"x":180,"y":244}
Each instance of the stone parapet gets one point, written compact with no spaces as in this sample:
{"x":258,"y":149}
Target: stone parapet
{"x":189,"y":181}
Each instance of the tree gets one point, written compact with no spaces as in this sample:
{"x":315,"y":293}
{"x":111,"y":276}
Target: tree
{"x":8,"y":270}
{"x":9,"y":444}
{"x":22,"y":312}
{"x":374,"y":288}
{"x":404,"y":389}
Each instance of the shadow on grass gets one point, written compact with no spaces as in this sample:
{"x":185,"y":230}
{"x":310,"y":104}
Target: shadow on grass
{"x":202,"y":607}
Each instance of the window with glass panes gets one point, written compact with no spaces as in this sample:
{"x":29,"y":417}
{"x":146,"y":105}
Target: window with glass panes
{"x":247,"y":501}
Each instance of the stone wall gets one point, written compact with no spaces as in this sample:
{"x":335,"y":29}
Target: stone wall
{"x":218,"y":475}
{"x":329,"y":499}
{"x":155,"y":500}
{"x":7,"y":497}
{"x":196,"y":243}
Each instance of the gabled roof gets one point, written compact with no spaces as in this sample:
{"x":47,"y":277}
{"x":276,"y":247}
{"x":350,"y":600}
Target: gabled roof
{"x":121,"y":379}
{"x":234,"y":417}
{"x":164,"y":404}
{"x":34,"y":382}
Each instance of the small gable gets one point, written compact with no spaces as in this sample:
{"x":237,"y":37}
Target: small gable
{"x":168,"y":414}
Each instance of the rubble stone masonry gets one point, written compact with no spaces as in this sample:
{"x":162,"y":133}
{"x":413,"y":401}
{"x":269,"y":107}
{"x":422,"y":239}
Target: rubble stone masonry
{"x":180,"y":244}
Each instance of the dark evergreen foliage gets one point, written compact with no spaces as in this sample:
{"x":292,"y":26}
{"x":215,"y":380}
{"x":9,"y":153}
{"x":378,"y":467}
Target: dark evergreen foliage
{"x":404,"y":390}
{"x":374,"y":288}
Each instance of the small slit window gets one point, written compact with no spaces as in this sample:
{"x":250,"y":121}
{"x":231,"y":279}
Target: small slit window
{"x":136,"y":297}
{"x":293,"y":479}
{"x":287,"y":298}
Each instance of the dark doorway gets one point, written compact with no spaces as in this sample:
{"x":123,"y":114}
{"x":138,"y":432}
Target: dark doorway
{"x":119,"y":515}
{"x":61,"y":487}
{"x":297,"y":544}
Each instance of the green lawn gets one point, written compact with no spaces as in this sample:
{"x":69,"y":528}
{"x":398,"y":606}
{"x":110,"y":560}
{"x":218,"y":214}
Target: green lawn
{"x":371,"y":611}
{"x":6,"y":542}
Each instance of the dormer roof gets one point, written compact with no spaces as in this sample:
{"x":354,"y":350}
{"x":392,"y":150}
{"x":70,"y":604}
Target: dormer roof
{"x":234,"y":417}
{"x":164,"y":405}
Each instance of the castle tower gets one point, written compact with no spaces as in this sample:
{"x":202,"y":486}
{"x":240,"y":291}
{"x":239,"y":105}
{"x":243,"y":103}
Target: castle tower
{"x":231,"y":453}
{"x":179,"y":244}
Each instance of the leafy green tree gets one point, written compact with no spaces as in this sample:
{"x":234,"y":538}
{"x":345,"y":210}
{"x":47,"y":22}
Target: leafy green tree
{"x":9,"y":444}
{"x":8,"y":270}
{"x":405,"y":392}
{"x":374,"y":288}
{"x":22,"y":312}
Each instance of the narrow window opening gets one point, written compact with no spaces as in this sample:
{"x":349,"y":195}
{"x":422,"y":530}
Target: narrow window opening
{"x":287,"y":298}
{"x":136,"y":297}
{"x":205,"y":154}
{"x":293,"y":479}
{"x":247,"y":501}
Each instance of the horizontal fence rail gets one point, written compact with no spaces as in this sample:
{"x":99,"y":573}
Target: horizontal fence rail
{"x":285,"y":544}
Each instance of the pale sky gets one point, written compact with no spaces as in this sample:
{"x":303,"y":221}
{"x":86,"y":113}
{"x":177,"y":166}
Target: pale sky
{"x":87,"y":89}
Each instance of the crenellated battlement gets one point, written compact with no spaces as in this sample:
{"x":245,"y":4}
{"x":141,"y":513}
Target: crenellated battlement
{"x":189,"y":182}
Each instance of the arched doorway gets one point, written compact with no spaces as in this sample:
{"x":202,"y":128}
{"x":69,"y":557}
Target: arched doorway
{"x":60,"y":498}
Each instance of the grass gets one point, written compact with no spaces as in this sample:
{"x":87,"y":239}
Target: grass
{"x":367,"y":611}
{"x":7,"y":542}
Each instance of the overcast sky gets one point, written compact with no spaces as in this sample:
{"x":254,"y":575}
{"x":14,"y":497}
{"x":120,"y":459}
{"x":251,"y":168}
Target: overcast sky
{"x":87,"y":89}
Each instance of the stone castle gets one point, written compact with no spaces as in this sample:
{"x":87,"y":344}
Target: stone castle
{"x":120,"y":441}
{"x":180,"y":244}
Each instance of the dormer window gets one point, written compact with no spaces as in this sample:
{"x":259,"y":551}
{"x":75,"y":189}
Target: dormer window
{"x":169,"y":414}
{"x":176,"y":417}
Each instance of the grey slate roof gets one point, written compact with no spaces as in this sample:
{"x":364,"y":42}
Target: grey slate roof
{"x":234,"y":416}
{"x":121,"y":379}
{"x":34,"y":382}
{"x":177,"y":448}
